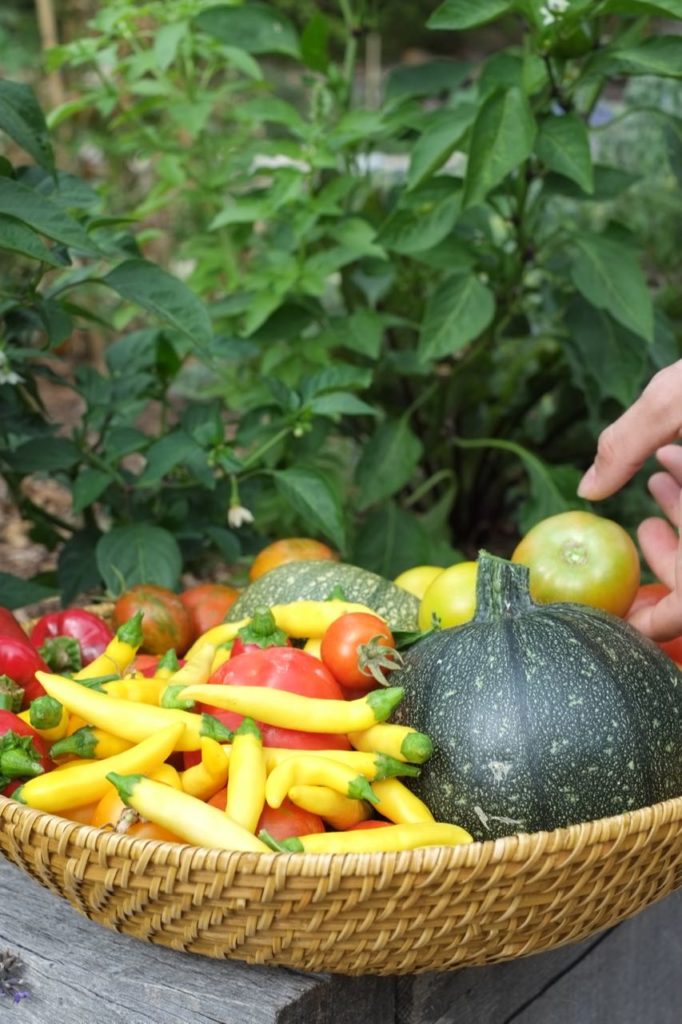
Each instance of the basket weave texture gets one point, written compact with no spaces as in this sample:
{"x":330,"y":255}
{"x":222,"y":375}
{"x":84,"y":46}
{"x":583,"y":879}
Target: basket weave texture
{"x":436,"y":908}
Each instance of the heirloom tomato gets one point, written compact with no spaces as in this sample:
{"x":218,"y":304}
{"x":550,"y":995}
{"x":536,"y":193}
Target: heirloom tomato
{"x":208,"y":604}
{"x":166,"y":622}
{"x":281,"y":822}
{"x":581,"y":557}
{"x":291,"y":549}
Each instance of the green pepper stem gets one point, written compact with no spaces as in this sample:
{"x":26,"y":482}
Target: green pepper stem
{"x":83,"y":743}
{"x":384,"y":702}
{"x":389,"y":767}
{"x":130,"y":632}
{"x":416,"y":747}
{"x":45,"y":712}
{"x":214,"y":729}
{"x":124,"y":784}
{"x":18,"y":762}
{"x":248,"y":727}
{"x":360,"y":789}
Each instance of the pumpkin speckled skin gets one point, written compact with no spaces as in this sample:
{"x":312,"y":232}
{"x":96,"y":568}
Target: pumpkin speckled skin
{"x":541,"y":715}
{"x":315,"y":580}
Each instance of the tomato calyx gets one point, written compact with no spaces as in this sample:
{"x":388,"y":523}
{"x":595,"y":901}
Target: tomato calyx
{"x":375,"y":659}
{"x":262,"y":631}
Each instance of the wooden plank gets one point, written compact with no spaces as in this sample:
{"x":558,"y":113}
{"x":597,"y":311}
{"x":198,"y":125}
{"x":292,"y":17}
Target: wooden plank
{"x":627,"y":974}
{"x":79,"y":971}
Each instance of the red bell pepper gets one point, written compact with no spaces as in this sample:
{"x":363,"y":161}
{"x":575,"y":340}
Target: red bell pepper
{"x":71,"y":638}
{"x":23,"y":753}
{"x":20,"y":661}
{"x":262,"y":631}
{"x":10,"y":626}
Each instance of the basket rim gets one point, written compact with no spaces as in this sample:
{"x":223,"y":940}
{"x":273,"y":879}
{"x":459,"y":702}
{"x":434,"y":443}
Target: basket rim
{"x":518,"y":849}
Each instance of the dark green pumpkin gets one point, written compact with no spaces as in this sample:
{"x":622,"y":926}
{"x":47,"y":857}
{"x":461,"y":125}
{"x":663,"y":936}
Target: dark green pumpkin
{"x":315,"y":580}
{"x":541,"y":715}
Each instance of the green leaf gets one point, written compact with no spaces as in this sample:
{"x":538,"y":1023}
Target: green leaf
{"x":48,"y":454}
{"x":315,"y":43}
{"x":77,"y":571}
{"x":502,"y":138}
{"x":413,"y":229}
{"x":458,"y":311}
{"x":609,"y":182}
{"x":16,"y":592}
{"x":391,"y":540}
{"x":174,"y":449}
{"x":609,"y":276}
{"x":607,"y":361}
{"x":563,"y":144}
{"x":87,"y":487}
{"x":167,"y":38}
{"x":57,"y":321}
{"x":22,"y":119}
{"x":459,"y":14}
{"x":140,"y":553}
{"x":362,"y":331}
{"x":341,"y":403}
{"x":311,"y":495}
{"x":438,"y":141}
{"x":15,"y":236}
{"x":427,"y":79}
{"x":160,"y":293}
{"x":664,"y":8}
{"x":256,"y":28}
{"x":225,"y":541}
{"x":44,"y":215}
{"x":657,"y":55}
{"x":388,"y":462}
{"x":506,"y":70}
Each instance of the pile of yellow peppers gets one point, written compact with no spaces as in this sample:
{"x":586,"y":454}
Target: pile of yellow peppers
{"x":127,"y":726}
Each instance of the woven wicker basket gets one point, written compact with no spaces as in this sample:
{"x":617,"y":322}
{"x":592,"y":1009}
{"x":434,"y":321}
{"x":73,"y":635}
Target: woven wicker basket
{"x":390,"y":913}
{"x":436,"y":908}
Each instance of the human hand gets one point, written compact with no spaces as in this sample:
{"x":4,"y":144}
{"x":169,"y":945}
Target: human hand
{"x":648,"y":427}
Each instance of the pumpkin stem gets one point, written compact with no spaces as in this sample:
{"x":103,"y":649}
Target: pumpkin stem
{"x":501,"y":588}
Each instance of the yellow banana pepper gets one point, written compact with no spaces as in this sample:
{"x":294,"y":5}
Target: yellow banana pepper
{"x":379,"y":840}
{"x":293,"y":711}
{"x":312,"y":770}
{"x":90,"y":742}
{"x":209,"y":775}
{"x":139,"y":689}
{"x":300,"y":620}
{"x":81,"y":784}
{"x":314,"y":647}
{"x":194,"y":672}
{"x":372,"y":766}
{"x":129,"y":721}
{"x":400,"y":741}
{"x":341,"y":812}
{"x":191,"y":819}
{"x":119,"y":652}
{"x":400,"y":804}
{"x":246,"y":787}
{"x":48,"y":717}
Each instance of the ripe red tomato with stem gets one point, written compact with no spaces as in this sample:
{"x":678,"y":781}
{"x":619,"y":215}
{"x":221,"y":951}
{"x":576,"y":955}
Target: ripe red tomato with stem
{"x":652,"y":593}
{"x":359,"y":649}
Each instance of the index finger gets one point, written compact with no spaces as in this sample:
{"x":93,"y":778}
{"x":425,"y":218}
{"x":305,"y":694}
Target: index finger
{"x":653,"y":420}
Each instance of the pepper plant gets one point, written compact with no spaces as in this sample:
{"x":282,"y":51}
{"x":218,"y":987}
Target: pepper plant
{"x":409,"y":364}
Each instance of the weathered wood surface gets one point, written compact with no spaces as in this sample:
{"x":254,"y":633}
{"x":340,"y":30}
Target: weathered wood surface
{"x":78,"y":971}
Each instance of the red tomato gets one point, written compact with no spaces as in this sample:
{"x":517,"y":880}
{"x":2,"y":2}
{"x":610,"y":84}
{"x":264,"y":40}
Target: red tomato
{"x":290,"y":549}
{"x":165,"y":620}
{"x":581,"y":557}
{"x":91,"y":632}
{"x":146,"y":664}
{"x":652,"y":593}
{"x":282,"y":668}
{"x":354,"y":649}
{"x":208,"y":604}
{"x":281,"y":822}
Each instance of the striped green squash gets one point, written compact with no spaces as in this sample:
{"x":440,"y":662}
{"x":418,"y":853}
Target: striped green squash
{"x":541,"y":715}
{"x":315,"y":580}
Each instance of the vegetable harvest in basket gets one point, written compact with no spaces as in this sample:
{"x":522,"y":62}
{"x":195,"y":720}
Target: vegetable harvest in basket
{"x":300,"y":726}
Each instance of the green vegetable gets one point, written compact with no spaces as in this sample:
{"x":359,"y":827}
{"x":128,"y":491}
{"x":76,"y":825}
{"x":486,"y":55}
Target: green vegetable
{"x":541,"y":715}
{"x":315,"y":580}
